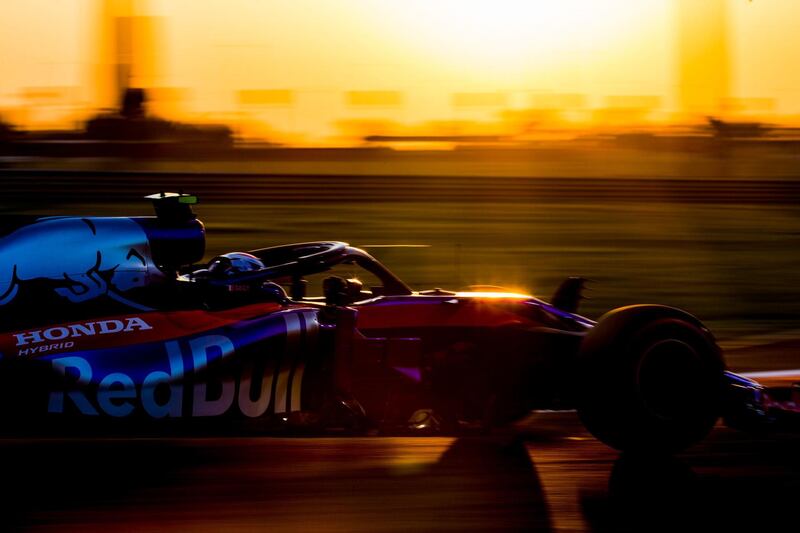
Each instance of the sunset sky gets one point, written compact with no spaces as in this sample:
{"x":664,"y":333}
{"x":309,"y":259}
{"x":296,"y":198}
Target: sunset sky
{"x":420,"y":53}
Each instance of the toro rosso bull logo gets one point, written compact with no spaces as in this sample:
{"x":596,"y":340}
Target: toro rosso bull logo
{"x":89,"y":257}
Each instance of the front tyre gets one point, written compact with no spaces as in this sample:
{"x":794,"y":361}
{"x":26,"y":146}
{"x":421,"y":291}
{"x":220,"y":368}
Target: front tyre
{"x":650,"y":379}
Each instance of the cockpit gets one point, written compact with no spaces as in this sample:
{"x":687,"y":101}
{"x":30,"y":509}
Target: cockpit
{"x":323,"y":273}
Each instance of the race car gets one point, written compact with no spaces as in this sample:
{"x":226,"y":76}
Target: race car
{"x":111,"y":322}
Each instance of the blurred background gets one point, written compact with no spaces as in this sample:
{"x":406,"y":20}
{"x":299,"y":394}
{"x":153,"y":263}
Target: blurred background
{"x":651,"y":145}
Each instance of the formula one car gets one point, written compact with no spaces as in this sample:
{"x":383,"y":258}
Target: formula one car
{"x":109,"y":322}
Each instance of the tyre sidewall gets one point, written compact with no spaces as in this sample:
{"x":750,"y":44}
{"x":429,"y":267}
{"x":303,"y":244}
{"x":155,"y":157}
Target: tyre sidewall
{"x":613,"y":374}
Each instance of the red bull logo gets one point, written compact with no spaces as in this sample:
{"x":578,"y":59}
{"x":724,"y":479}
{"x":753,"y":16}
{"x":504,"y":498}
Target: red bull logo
{"x":252,"y":391}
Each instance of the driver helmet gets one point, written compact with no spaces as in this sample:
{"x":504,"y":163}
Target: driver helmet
{"x":234,"y":263}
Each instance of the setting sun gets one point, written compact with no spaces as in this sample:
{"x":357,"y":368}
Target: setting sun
{"x":509,"y":34}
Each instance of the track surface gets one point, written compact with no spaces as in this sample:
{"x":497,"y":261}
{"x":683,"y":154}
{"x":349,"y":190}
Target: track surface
{"x":555,"y":478}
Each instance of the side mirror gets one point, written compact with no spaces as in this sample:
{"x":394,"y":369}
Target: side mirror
{"x":569,"y":294}
{"x":298,"y":289}
{"x":335,"y":290}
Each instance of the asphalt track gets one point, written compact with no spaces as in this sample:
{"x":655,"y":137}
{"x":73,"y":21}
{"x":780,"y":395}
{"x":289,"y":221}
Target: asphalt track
{"x":547,"y":476}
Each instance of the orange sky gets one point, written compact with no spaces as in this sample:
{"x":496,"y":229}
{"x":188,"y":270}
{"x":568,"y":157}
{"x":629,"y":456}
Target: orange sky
{"x":422,"y":51}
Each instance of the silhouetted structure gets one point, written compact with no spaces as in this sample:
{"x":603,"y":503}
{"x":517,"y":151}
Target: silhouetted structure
{"x":703,"y":63}
{"x":125,"y":69}
{"x":126,"y":51}
{"x":7,"y":132}
{"x":730,"y":130}
{"x":133,"y":101}
{"x":132,"y":123}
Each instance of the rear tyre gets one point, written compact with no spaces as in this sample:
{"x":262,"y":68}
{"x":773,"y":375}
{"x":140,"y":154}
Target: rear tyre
{"x":650,"y":379}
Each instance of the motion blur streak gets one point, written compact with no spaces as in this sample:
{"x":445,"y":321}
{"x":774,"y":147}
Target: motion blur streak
{"x":559,"y":480}
{"x":725,"y":248}
{"x":317,"y":73}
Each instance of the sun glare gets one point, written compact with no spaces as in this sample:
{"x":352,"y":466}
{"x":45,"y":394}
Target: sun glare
{"x":496,"y":34}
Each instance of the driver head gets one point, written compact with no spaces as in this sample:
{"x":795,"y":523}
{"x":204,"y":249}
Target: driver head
{"x":234,"y":263}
